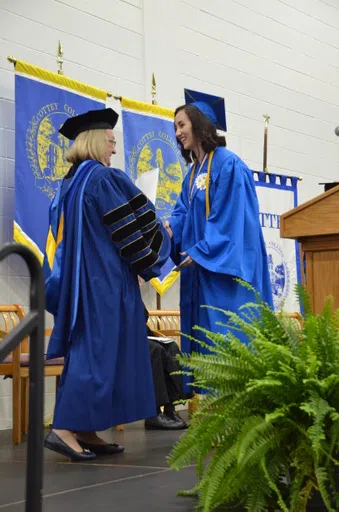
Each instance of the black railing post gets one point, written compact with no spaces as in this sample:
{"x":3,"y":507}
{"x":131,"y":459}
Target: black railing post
{"x":33,"y":324}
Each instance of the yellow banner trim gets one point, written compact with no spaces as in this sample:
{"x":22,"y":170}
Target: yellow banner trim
{"x":162,"y":286}
{"x":64,"y":81}
{"x":147,"y":108}
{"x":21,"y":238}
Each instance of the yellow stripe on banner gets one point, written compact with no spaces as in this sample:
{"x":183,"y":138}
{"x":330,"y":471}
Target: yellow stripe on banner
{"x":49,"y":76}
{"x":21,"y":238}
{"x":148,"y":108}
{"x":162,"y":286}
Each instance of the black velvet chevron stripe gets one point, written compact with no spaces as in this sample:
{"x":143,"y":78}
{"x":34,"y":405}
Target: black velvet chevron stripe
{"x":146,"y":218}
{"x":138,"y":202}
{"x":117,"y":214}
{"x":125,"y":231}
{"x":157,"y":242}
{"x":147,"y":261}
{"x":148,"y":235}
{"x":133,"y":248}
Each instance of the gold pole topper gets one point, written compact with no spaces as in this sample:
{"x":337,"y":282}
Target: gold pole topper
{"x":60,"y":60}
{"x":11,"y":59}
{"x":267,"y":118}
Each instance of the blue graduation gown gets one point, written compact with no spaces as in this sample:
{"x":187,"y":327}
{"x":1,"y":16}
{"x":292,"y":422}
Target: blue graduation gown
{"x":99,"y":324}
{"x":229,"y":244}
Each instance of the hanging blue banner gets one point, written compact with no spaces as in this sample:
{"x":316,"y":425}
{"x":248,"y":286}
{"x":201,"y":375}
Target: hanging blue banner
{"x":154,"y":162}
{"x":43,"y":102}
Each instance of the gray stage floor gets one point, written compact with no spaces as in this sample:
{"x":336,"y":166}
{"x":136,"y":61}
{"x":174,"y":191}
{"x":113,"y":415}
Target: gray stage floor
{"x":137,"y":480}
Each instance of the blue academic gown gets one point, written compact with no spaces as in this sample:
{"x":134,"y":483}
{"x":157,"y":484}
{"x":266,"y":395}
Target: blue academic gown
{"x":229,"y":244}
{"x":99,"y":324}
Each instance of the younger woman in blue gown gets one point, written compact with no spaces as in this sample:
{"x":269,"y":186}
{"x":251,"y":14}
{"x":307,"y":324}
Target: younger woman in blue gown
{"x":214,"y":226}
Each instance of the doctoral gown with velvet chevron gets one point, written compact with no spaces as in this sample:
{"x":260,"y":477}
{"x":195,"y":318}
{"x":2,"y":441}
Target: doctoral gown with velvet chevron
{"x":229,"y":244}
{"x":107,"y":377}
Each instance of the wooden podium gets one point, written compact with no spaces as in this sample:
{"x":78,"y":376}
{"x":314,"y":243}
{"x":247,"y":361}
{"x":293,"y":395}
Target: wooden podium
{"x":315,"y":225}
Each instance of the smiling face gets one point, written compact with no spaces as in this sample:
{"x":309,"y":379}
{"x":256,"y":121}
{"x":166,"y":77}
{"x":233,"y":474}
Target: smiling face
{"x":184,"y":130}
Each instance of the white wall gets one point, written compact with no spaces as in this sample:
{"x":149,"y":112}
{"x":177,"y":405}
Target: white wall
{"x":263,"y":56}
{"x":267,"y":56}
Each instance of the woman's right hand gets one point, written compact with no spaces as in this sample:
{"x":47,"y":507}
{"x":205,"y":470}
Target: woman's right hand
{"x":167,"y":226}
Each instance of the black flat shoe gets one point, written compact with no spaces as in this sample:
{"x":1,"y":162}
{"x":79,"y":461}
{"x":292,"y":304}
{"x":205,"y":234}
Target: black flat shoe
{"x":102,"y":449}
{"x":54,"y":443}
{"x":161,"y":422}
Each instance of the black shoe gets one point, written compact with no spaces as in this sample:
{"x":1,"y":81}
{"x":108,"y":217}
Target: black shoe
{"x":178,"y":419}
{"x":102,"y":449}
{"x":161,"y":422}
{"x":54,"y":443}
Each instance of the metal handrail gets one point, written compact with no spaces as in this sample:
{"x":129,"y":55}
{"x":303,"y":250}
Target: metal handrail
{"x":33,"y":325}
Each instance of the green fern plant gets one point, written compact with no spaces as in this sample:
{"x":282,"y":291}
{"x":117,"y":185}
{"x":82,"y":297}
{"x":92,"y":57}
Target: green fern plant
{"x":267,"y":433}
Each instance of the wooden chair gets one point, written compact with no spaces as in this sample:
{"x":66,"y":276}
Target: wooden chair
{"x":166,"y":323}
{"x":16,"y":366}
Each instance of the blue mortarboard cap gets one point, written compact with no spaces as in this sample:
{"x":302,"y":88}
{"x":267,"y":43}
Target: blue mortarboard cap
{"x":213,"y":107}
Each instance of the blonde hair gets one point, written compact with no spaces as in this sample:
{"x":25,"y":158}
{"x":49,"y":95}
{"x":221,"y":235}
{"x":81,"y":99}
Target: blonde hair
{"x":89,"y":145}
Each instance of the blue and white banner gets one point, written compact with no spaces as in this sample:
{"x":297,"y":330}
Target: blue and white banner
{"x":278,"y":194}
{"x":43,"y":102}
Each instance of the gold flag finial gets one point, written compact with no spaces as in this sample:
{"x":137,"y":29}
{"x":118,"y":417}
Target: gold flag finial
{"x":11,"y":59}
{"x":60,"y":60}
{"x":154,"y":90}
{"x":267,"y":118}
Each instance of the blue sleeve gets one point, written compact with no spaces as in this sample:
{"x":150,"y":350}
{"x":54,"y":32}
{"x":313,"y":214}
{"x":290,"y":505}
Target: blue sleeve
{"x":133,"y":226}
{"x":232,"y":231}
{"x":163,"y":255}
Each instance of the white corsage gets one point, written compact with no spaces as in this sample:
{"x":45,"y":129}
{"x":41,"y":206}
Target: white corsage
{"x":200,"y":181}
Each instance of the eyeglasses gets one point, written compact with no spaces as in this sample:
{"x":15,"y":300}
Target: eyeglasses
{"x":113,"y":142}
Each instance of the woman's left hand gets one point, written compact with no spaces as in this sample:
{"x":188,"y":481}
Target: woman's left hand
{"x":187,"y":261}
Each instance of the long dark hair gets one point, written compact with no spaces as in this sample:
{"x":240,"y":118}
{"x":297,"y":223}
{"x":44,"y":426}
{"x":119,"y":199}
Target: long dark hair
{"x":203,"y":129}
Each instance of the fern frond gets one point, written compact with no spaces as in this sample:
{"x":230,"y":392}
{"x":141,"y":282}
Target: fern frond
{"x":322,"y":479}
{"x":304,"y":300}
{"x":256,"y":439}
{"x":273,"y":486}
{"x":299,"y":495}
